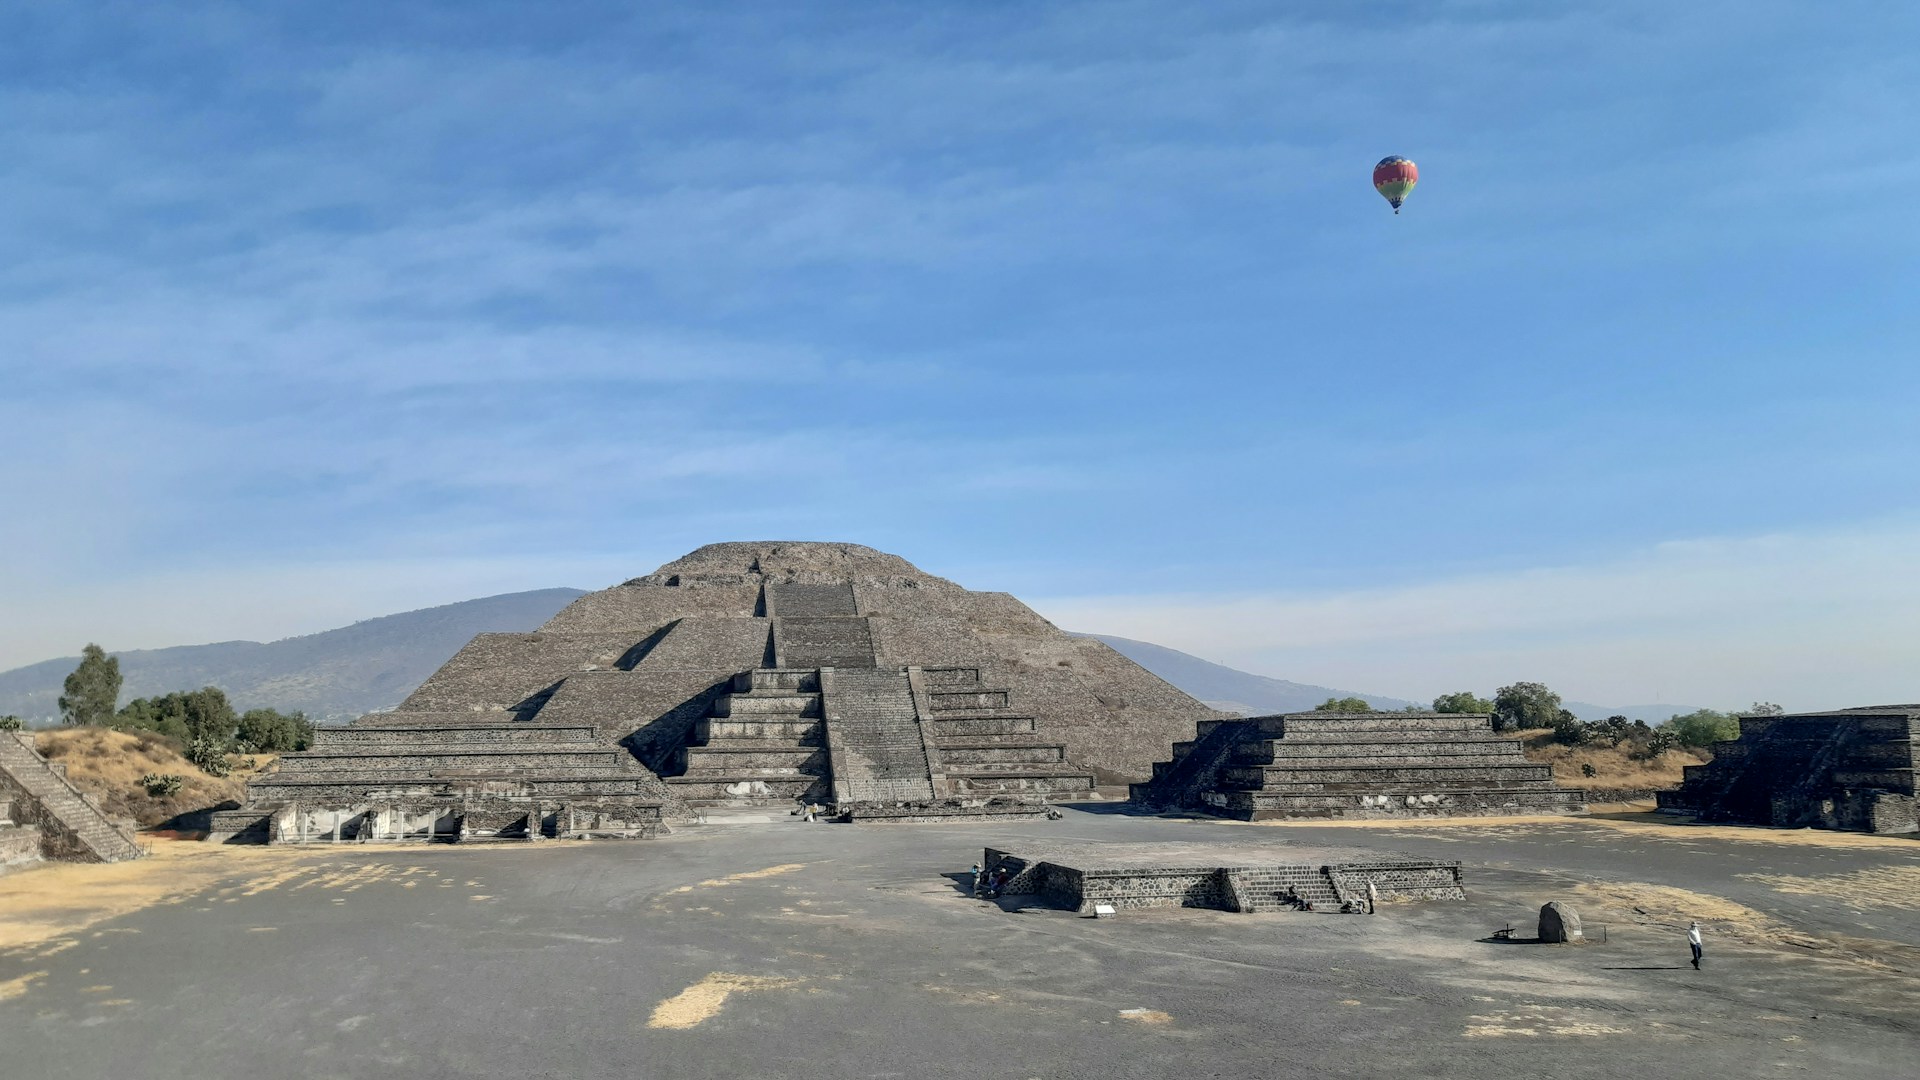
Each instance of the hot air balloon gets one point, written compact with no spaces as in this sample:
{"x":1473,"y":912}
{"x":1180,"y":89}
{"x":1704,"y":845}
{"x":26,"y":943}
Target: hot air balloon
{"x":1394,"y":178}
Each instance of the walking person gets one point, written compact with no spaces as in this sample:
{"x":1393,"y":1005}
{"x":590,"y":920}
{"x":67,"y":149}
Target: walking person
{"x":1693,"y":941}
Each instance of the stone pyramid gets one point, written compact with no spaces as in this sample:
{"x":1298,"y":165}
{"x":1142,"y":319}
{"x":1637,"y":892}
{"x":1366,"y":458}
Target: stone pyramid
{"x":767,"y":673}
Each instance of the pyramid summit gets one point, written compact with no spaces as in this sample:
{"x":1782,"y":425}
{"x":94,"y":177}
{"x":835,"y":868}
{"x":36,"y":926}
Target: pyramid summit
{"x":751,"y":673}
{"x":789,"y":560}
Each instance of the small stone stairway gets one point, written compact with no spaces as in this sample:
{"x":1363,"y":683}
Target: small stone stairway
{"x":980,"y":745}
{"x":764,"y":742}
{"x":1259,"y":889}
{"x":72,"y":827}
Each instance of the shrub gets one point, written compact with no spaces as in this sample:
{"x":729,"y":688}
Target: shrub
{"x":160,"y":785}
{"x":11,"y":723}
{"x":209,"y":756}
{"x":1656,"y":747}
{"x":1587,"y":770}
{"x":1702,"y":727}
{"x":1568,"y":729}
{"x":1343,"y":704}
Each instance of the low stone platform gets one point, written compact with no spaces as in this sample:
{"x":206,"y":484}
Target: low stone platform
{"x":1227,"y":877}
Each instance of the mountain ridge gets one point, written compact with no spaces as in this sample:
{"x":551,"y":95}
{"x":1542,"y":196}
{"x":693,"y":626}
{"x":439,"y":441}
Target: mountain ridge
{"x":366,"y":666}
{"x":332,"y":675}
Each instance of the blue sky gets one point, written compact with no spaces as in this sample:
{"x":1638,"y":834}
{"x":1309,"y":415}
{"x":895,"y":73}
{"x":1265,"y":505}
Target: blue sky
{"x":315,"y":312}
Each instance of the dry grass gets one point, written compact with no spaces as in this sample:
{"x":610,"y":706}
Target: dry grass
{"x":108,"y":765}
{"x":1612,"y":767}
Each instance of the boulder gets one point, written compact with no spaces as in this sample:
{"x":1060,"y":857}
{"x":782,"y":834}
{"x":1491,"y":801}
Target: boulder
{"x":1559,"y":924}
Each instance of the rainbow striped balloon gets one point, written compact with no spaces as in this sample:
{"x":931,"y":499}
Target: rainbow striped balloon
{"x":1394,"y":178}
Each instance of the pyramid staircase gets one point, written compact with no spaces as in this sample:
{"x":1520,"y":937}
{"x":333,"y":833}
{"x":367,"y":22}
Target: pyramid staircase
{"x":1339,"y":765}
{"x":39,"y":794}
{"x":864,"y":736}
{"x":762,"y":743}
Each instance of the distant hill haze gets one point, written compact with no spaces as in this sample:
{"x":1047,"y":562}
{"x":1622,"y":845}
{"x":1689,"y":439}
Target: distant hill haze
{"x":1231,"y":690}
{"x":340,"y":674}
{"x":335,"y":675}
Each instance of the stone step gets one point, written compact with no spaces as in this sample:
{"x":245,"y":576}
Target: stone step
{"x":988,"y":741}
{"x":946,"y":702}
{"x":463,"y":735}
{"x":1258,"y":805}
{"x":800,"y":731}
{"x":947,"y":678}
{"x":1384,"y":777}
{"x":726,"y":760}
{"x":502,"y":761}
{"x":1274,"y":751}
{"x":321,"y":787}
{"x":977,"y":754}
{"x":803,"y":680}
{"x":767,"y":705}
{"x":971,"y":727}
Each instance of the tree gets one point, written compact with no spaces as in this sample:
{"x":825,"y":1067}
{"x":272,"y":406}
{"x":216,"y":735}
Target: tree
{"x":93,"y":689}
{"x":1343,"y":704}
{"x":1765,"y":708}
{"x":272,"y":732}
{"x":1569,"y":729}
{"x":1702,"y":727}
{"x":202,"y":715}
{"x":11,"y":722}
{"x":1525,"y":705}
{"x":1461,"y":701}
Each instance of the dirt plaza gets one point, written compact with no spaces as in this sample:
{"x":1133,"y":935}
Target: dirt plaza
{"x":778,"y":949}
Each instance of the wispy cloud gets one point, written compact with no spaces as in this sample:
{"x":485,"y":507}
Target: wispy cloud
{"x":1807,"y":619}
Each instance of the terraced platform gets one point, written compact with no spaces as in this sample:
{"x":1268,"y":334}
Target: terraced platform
{"x":1339,"y":765}
{"x":446,"y":779}
{"x":1849,"y":769}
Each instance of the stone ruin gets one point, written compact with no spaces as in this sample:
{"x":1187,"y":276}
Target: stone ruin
{"x":43,"y":816}
{"x":1354,"y":765}
{"x":1848,"y":769}
{"x":743,"y":675}
{"x":1228,"y":877}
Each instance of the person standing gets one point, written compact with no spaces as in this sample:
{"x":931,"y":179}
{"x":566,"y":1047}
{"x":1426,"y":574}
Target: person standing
{"x":1373,"y":899}
{"x":1693,"y":941}
{"x":973,"y":887}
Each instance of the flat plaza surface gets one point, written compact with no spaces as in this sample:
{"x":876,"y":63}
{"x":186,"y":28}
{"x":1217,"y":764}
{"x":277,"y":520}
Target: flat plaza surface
{"x":787,"y":949}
